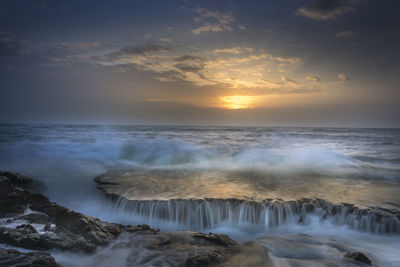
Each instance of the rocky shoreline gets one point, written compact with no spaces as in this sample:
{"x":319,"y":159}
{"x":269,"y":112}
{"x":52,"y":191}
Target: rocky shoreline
{"x":29,"y":220}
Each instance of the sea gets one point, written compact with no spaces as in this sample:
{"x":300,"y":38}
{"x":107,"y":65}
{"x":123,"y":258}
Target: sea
{"x":206,"y":172}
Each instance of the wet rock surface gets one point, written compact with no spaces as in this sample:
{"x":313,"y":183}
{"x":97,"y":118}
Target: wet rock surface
{"x":183,"y":248}
{"x":71,"y":231}
{"x":14,"y":258}
{"x":197,"y":183}
{"x":358,"y":256}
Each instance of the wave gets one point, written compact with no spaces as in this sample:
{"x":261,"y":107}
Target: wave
{"x":170,"y":153}
{"x":162,"y":152}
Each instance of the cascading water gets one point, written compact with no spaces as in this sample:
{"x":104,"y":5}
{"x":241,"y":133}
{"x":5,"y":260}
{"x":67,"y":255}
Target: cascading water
{"x":203,"y":214}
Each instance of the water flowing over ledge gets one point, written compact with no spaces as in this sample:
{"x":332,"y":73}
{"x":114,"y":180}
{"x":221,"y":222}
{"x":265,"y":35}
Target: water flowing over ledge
{"x":270,"y":214}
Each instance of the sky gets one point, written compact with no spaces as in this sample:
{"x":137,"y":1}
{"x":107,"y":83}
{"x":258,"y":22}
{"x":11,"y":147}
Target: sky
{"x":269,"y":63}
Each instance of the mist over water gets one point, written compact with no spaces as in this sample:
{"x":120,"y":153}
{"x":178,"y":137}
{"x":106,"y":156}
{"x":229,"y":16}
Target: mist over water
{"x":359,"y":166}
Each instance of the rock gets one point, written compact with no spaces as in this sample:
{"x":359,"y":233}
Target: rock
{"x":92,"y":231}
{"x":26,"y":229}
{"x":218,"y":239}
{"x":308,"y":207}
{"x":47,"y":227}
{"x":141,"y":228}
{"x":301,"y":219}
{"x":36,"y":217}
{"x":183,"y":248}
{"x":20,"y":238}
{"x":73,"y":231}
{"x":358,"y":256}
{"x":10,"y":257}
{"x":13,"y":199}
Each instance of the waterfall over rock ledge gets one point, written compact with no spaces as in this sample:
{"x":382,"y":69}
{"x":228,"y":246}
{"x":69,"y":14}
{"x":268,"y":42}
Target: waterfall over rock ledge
{"x":203,"y":214}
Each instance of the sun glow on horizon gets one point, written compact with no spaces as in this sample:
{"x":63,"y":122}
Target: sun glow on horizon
{"x":237,"y":101}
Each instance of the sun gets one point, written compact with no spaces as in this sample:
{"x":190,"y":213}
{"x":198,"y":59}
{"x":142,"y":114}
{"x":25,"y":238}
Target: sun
{"x":237,"y":101}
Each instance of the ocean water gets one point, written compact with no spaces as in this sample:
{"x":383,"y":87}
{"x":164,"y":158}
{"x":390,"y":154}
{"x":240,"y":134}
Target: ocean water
{"x":160,"y":163}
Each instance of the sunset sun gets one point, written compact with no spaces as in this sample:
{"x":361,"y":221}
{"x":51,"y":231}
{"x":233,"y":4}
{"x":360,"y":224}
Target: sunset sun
{"x":237,"y":101}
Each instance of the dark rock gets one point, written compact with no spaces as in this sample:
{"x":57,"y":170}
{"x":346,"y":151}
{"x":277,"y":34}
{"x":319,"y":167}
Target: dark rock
{"x":358,"y":256}
{"x":26,"y":229}
{"x":20,"y":238}
{"x":142,"y":228}
{"x":218,"y":239}
{"x":308,"y":207}
{"x":183,"y":248}
{"x":47,"y":227}
{"x":16,"y":192}
{"x":10,"y":257}
{"x":74,"y":231}
{"x":204,"y":258}
{"x":36,"y":217}
{"x":301,"y":219}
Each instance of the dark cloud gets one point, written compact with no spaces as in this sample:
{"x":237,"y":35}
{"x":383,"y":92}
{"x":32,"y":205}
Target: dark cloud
{"x":9,"y":46}
{"x":345,"y":34}
{"x":12,"y":52}
{"x":138,"y":50}
{"x":190,"y":63}
{"x":189,"y":67}
{"x":289,"y":81}
{"x":189,"y":58}
{"x":326,"y":9}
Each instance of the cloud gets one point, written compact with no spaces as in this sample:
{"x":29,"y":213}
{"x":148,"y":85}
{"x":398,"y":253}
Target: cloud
{"x":211,"y":27}
{"x":313,"y":79}
{"x":188,"y":58}
{"x":289,"y":81}
{"x":148,"y":36}
{"x":238,"y":68}
{"x":189,"y":67}
{"x":343,"y":77}
{"x":190,"y":63}
{"x":222,"y":18}
{"x":10,"y":47}
{"x":214,"y":21}
{"x":234,"y":50}
{"x":138,"y":50}
{"x":326,"y":9}
{"x":8,"y":43}
{"x":63,"y":53}
{"x":345,"y":34}
{"x":166,"y":40}
{"x":291,"y":60}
